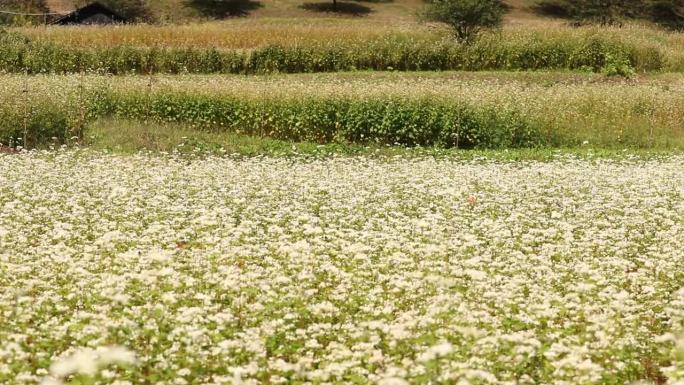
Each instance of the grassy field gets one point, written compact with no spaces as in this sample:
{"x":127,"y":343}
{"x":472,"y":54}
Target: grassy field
{"x":247,"y":33}
{"x":126,"y":137}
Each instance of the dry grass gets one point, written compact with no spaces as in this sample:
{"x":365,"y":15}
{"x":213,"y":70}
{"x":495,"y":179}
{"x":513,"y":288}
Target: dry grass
{"x":60,"y":5}
{"x":249,"y":33}
{"x":233,"y":34}
{"x":671,"y":44}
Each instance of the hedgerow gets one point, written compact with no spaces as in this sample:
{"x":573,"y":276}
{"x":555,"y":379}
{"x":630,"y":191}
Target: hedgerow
{"x":383,"y":120}
{"x":486,"y":111}
{"x":591,"y":52}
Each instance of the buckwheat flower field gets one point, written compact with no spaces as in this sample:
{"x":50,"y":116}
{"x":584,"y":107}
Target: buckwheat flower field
{"x":161,"y":269}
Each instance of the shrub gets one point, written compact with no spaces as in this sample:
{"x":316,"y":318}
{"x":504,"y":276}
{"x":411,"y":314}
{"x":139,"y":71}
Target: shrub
{"x":323,"y":119}
{"x":42,"y":123}
{"x":668,"y":13}
{"x":466,"y":17}
{"x":388,"y":120}
{"x":603,"y":12}
{"x":23,"y":6}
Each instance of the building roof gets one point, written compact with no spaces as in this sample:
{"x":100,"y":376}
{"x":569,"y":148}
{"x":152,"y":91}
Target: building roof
{"x":93,"y":13}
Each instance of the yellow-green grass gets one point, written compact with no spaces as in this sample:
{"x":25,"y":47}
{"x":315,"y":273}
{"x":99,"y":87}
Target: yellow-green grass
{"x":560,"y":109}
{"x":122,"y":136}
{"x":242,"y":33}
{"x":129,"y":136}
{"x":255,"y":33}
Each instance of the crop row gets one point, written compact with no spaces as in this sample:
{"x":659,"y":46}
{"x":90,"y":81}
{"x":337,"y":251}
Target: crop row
{"x":445,"y":110}
{"x":404,"y":52}
{"x":251,"y":33}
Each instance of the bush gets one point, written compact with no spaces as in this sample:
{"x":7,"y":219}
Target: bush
{"x":466,"y":17}
{"x":39,"y":126}
{"x":668,"y":13}
{"x":604,"y":12}
{"x":22,"y":6}
{"x":383,"y":120}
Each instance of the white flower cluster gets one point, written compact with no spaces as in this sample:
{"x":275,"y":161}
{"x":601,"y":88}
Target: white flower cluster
{"x":339,"y":270}
{"x":88,"y":362}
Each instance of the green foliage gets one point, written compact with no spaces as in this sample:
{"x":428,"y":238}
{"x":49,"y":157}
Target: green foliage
{"x":35,"y":126}
{"x":466,"y":17}
{"x":22,"y":6}
{"x":536,"y":109}
{"x":668,"y":13}
{"x":618,"y":66}
{"x":375,"y":120}
{"x":606,"y":12}
{"x":17,"y":55}
{"x":384,"y":120}
{"x":603,"y":12}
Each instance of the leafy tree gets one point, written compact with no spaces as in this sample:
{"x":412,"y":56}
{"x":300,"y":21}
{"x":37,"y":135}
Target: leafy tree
{"x":669,"y":13}
{"x":22,"y":6}
{"x":604,"y":12}
{"x":467,"y":18}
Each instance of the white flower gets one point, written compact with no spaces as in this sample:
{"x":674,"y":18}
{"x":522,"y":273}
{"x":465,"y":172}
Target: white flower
{"x":115,"y":355}
{"x":87,"y":361}
{"x":84,"y":361}
{"x":219,"y":263}
{"x":436,"y":351}
{"x":393,"y":381}
{"x":51,"y":381}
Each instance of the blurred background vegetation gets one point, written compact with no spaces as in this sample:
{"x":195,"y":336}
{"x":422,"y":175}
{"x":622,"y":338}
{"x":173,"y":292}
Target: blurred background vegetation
{"x":668,"y":13}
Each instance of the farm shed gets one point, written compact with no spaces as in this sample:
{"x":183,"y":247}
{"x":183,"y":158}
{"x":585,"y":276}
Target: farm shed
{"x":91,"y":14}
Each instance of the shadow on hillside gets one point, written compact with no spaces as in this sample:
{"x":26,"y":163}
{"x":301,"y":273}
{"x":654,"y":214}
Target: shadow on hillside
{"x":667,"y":13}
{"x":375,"y":1}
{"x":220,"y":9}
{"x":341,"y":8}
{"x":552,"y":8}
